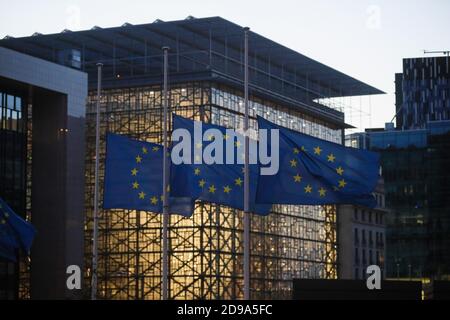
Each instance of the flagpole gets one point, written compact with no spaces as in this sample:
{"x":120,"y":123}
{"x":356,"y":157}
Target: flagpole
{"x":165,"y":253}
{"x":97,"y":156}
{"x":246,"y":176}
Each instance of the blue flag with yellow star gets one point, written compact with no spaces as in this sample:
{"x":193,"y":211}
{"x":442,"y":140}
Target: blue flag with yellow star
{"x":314,"y":171}
{"x":15,"y":233}
{"x":220,"y":183}
{"x":134,"y":177}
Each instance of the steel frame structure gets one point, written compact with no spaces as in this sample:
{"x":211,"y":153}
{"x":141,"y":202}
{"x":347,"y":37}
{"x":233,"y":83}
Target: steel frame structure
{"x":206,"y":259}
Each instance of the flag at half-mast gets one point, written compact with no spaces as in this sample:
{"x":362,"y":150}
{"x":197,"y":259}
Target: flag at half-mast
{"x":314,"y":171}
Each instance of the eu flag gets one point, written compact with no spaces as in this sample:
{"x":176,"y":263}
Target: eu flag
{"x":134,"y":177}
{"x":314,"y":171}
{"x":15,"y":233}
{"x":221,"y":183}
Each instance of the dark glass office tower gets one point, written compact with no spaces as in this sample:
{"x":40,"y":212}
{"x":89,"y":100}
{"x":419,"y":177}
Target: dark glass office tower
{"x":423,"y":92}
{"x":417,"y":185}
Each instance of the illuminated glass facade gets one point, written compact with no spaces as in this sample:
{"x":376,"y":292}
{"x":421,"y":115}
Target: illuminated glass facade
{"x":205,"y":250}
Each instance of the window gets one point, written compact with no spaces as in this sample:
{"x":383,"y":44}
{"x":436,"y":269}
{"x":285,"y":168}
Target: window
{"x":363,"y":236}
{"x":370,"y":257}
{"x":11,"y":113}
{"x":370,"y":238}
{"x":364,"y":260}
{"x":356,"y":236}
{"x":356,"y":256}
{"x":356,"y":273}
{"x":370,"y":217}
{"x":363,"y":215}
{"x":355,"y":214}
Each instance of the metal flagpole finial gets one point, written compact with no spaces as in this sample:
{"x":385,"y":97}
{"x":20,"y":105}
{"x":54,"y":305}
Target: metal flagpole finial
{"x":166,"y":48}
{"x":246,"y":29}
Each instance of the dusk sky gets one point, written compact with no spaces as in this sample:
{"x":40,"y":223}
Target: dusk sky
{"x":364,"y":39}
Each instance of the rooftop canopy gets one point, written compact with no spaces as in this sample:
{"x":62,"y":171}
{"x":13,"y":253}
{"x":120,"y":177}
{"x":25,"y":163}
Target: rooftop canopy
{"x":200,"y":49}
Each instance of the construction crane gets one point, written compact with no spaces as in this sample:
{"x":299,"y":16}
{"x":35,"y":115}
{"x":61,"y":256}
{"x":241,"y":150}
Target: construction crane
{"x":445,"y":52}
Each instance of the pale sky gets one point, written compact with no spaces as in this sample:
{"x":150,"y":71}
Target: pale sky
{"x":364,"y":39}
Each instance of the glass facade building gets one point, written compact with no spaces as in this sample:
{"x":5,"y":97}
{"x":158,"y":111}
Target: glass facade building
{"x":206,"y":250}
{"x":423,"y":92}
{"x":13,"y":146}
{"x":417,"y":187}
{"x":205,"y":76}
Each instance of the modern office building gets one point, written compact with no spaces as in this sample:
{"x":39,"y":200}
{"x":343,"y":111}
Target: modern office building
{"x":361,"y":237}
{"x":415,"y":158}
{"x":206,"y":81}
{"x":42,"y":125}
{"x":417,"y":182}
{"x":417,"y":192}
{"x":422,"y":92}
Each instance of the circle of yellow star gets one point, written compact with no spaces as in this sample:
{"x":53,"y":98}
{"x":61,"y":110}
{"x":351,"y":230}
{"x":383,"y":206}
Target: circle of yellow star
{"x":342,"y":183}
{"x":297,"y":178}
{"x":135,"y":185}
{"x":322,"y":192}
{"x":317,"y":150}
{"x":331,"y":157}
{"x":154,"y":149}
{"x":293,"y":163}
{"x":138,"y":159}
{"x":340,"y":171}
{"x":202,"y":183}
{"x":134,"y":172}
{"x":226,"y":189}
{"x":212,"y":189}
{"x":144,"y":150}
{"x":237,"y":144}
{"x":308,"y":189}
{"x":197,"y":171}
{"x":199,"y":145}
{"x":142,"y":195}
{"x":238,"y":181}
{"x":225,"y":136}
{"x":154,"y":200}
{"x":296,"y":151}
{"x":303,"y":148}
{"x":3,"y":221}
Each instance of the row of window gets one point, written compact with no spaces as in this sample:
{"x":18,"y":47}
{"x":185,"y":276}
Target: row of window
{"x":368,"y":216}
{"x":10,"y":112}
{"x":368,"y":241}
{"x":367,"y":257}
